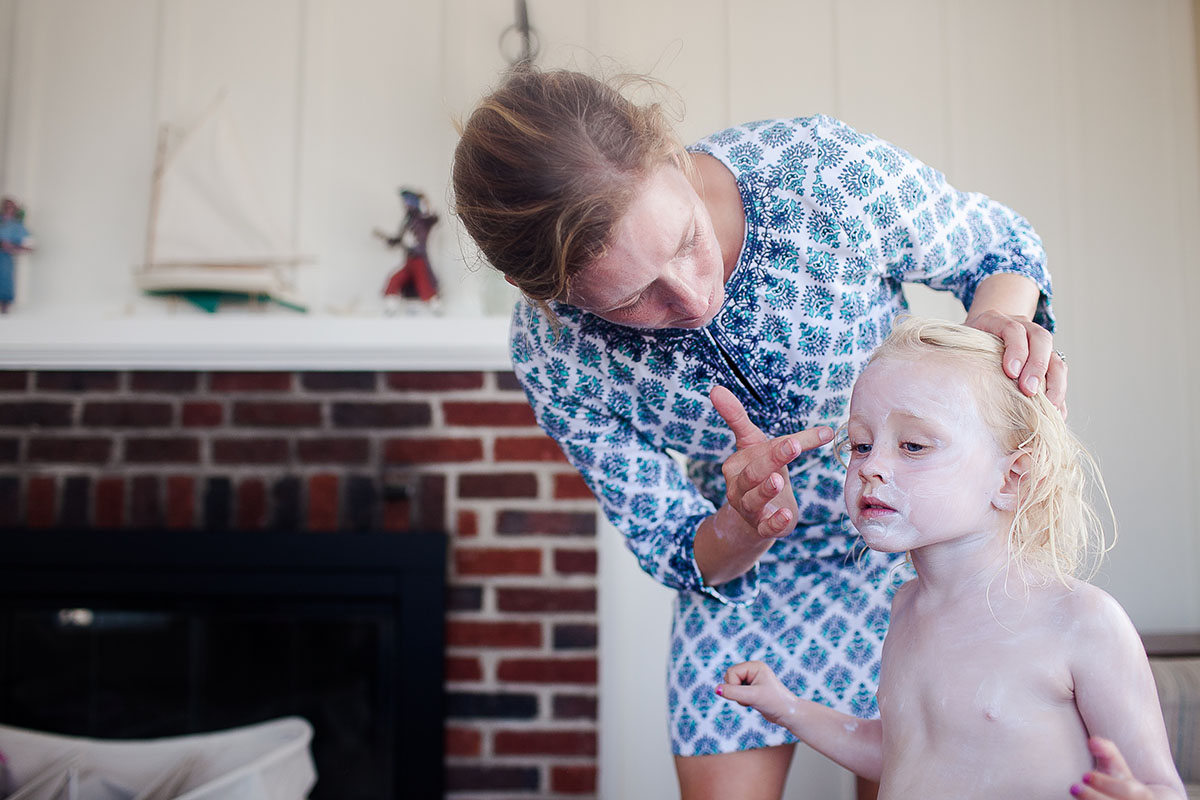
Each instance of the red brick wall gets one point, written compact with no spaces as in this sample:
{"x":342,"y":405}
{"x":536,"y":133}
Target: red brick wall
{"x":454,"y":451}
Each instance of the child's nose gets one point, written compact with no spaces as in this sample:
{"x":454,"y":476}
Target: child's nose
{"x":876,"y":465}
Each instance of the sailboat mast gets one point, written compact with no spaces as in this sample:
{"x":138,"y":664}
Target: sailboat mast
{"x":160,"y":157}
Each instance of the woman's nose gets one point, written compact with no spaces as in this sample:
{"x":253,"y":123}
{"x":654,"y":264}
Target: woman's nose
{"x":688,"y":298}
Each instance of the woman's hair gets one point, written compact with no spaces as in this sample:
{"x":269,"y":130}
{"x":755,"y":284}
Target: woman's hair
{"x":547,"y":164}
{"x":1055,"y":530}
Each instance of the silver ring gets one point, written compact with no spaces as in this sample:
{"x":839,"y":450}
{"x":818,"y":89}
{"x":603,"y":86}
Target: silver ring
{"x":1061,"y":356}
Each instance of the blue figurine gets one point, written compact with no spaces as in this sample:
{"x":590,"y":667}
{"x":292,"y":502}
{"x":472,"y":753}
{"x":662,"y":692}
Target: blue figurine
{"x":14,"y":238}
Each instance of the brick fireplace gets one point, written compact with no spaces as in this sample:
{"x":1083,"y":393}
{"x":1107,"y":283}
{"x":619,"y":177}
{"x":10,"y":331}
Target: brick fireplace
{"x":339,"y":452}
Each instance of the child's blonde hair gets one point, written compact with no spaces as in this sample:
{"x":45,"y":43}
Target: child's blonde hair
{"x":1055,"y":530}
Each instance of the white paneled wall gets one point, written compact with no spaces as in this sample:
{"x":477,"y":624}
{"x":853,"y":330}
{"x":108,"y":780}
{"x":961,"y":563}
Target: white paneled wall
{"x":1081,"y":114}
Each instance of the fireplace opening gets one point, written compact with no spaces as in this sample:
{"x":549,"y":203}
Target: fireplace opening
{"x":147,"y":634}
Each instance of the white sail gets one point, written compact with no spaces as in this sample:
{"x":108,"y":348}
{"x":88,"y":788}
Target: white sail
{"x":210,"y":229}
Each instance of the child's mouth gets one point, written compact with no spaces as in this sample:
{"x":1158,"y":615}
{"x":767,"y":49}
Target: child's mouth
{"x":871,"y":507}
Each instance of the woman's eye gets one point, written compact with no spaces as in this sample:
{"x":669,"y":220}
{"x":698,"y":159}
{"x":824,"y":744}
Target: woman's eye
{"x":911,"y":447}
{"x":860,"y":448}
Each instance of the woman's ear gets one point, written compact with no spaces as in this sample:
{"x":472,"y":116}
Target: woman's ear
{"x":1016,"y":470}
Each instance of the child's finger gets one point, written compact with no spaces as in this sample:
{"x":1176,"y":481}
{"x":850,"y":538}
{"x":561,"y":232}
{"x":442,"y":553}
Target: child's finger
{"x":1097,"y":786}
{"x":745,"y":695}
{"x":1108,"y":758}
{"x":742,"y":673}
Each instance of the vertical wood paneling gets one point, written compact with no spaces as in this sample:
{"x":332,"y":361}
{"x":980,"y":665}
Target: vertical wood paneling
{"x":1182,"y":239}
{"x":891,"y":73}
{"x":681,"y":42}
{"x":782,"y":58}
{"x":1005,"y":106}
{"x":373,"y":122}
{"x":1133,"y":338}
{"x":1185,"y":45}
{"x":86,"y":144}
{"x":249,"y":52}
{"x":7,"y":40}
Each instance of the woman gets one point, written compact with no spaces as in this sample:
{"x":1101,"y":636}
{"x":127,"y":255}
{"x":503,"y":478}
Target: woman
{"x":717,"y":303}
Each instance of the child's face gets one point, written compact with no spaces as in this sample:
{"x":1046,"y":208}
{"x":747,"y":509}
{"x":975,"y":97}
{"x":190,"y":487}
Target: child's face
{"x":924,"y":467}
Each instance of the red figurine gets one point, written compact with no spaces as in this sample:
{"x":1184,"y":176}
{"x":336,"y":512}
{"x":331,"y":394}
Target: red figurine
{"x":414,"y":280}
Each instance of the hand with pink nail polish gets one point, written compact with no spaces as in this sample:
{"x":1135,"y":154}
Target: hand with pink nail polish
{"x":1112,"y":777}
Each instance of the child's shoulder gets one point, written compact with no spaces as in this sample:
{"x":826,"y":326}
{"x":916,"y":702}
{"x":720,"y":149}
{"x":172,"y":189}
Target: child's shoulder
{"x":1087,"y":612}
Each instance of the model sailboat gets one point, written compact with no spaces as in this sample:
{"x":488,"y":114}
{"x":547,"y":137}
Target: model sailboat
{"x":210,"y":236}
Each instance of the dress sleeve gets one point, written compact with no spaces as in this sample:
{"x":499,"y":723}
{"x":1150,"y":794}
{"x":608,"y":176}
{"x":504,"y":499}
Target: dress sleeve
{"x":641,"y":488}
{"x":907,"y":221}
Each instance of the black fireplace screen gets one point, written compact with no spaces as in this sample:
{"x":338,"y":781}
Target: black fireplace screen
{"x":139,"y":635}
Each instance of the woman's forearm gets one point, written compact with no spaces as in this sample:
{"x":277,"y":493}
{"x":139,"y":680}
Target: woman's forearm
{"x":727,"y":547}
{"x":1007,"y":293}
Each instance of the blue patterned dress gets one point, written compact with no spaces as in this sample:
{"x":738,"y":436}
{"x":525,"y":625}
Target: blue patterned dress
{"x":836,"y":221}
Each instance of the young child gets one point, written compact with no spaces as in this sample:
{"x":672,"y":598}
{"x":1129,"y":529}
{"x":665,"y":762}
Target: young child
{"x":1003,"y":675}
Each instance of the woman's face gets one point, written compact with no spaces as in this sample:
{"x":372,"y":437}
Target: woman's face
{"x":664,"y":269}
{"x":8,"y":209}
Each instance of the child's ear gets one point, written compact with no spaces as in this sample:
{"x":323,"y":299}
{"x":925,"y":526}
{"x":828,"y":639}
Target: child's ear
{"x":1016,"y":470}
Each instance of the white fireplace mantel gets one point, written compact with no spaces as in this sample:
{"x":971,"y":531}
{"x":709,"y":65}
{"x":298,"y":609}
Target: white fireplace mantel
{"x":255,"y":343}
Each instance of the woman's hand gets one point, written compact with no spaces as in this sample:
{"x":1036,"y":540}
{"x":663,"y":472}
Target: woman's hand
{"x":999,"y":308}
{"x":757,"y":485}
{"x":754,"y":684}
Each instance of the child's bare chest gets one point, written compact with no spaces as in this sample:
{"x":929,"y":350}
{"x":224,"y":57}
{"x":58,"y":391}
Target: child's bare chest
{"x":964,"y":694}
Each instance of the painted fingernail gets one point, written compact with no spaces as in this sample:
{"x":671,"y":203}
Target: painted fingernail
{"x":1087,"y":778}
{"x":1076,"y":789}
{"x":719,"y":691}
{"x":1031,"y":384}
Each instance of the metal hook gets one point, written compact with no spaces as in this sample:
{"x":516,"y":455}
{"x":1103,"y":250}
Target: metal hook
{"x":529,"y":44}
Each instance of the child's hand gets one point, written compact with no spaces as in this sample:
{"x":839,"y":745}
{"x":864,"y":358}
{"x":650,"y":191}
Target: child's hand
{"x":753,"y":684}
{"x":1111,"y":777}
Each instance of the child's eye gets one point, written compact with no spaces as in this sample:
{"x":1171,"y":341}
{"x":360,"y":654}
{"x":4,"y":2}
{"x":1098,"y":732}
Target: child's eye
{"x":911,"y":447}
{"x":860,"y":448}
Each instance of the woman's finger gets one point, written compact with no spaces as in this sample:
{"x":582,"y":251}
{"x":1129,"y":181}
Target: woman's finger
{"x":734,"y":413}
{"x":781,"y":452}
{"x":1012,"y":333}
{"x":757,"y":501}
{"x":1039,"y":346}
{"x":773,"y":525}
{"x":1056,"y":383}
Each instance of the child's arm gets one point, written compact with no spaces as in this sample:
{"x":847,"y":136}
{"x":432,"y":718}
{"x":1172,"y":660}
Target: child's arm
{"x":856,"y":744}
{"x":1116,"y":698}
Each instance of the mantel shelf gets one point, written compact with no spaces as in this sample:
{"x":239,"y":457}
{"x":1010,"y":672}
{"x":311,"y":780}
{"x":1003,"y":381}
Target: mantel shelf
{"x":228,"y":342}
